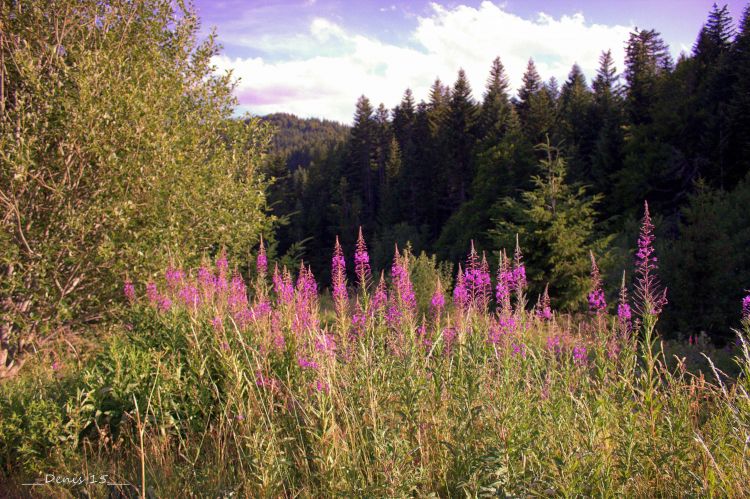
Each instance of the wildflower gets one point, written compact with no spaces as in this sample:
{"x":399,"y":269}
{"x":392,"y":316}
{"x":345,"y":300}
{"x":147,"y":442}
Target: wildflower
{"x":152,"y":293}
{"x":504,"y":327}
{"x":519,"y":349}
{"x":652,"y":297}
{"x":380,"y":298}
{"x":624,"y":313}
{"x":358,"y":321}
{"x":746,"y":307}
{"x":338,"y":275}
{"x":325,"y":344}
{"x":164,"y":303}
{"x":544,"y":311}
{"x":306,"y":363}
{"x":404,"y":291}
{"x":553,"y":343}
{"x":237,"y":293}
{"x":460,"y":294}
{"x":222,"y":265}
{"x":449,"y":338}
{"x":597,"y":301}
{"x":519,"y":270}
{"x":580,"y":355}
{"x":129,"y":291}
{"x":282,"y":285}
{"x":362,"y":261}
{"x":217,"y":323}
{"x":437,"y":302}
{"x":207,"y":281}
{"x":240,"y":417}
{"x":190,"y":296}
{"x":174,"y":277}
{"x":505,"y":283}
{"x":225,"y":346}
{"x":321,"y":386}
{"x":261,"y":261}
{"x":56,"y":366}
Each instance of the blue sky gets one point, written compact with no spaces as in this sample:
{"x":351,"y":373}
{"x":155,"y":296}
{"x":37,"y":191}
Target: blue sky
{"x":315,"y":57}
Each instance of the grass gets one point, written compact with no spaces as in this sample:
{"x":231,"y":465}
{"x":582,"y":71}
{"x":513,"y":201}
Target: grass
{"x":174,"y":405}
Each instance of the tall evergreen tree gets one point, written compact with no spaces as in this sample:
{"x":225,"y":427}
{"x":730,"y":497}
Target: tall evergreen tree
{"x":556,"y":224}
{"x":647,"y":58}
{"x":462,"y":119}
{"x":576,"y":131}
{"x":362,"y":158}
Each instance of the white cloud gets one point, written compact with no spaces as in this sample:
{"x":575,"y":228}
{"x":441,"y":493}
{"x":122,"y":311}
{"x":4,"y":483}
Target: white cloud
{"x":448,"y":38}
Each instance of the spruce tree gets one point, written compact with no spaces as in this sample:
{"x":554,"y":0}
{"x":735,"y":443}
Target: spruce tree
{"x":556,"y":224}
{"x":462,"y":118}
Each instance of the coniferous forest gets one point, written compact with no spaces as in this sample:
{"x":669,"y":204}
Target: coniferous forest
{"x":468,"y":165}
{"x":493,"y":292}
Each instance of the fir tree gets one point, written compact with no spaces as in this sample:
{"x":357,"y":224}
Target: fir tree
{"x":556,"y":222}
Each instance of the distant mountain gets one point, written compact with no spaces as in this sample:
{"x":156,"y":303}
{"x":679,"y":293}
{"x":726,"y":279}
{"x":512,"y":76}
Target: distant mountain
{"x":298,"y":139}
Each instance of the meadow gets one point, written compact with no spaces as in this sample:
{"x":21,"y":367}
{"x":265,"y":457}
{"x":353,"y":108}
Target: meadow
{"x":224,"y":385}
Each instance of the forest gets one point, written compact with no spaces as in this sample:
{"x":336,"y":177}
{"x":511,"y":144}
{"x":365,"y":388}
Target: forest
{"x":469,"y":165}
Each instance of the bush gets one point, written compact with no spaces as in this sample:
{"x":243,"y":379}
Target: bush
{"x":119,"y":152}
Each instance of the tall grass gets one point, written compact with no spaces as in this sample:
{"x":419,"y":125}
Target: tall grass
{"x":213,"y":389}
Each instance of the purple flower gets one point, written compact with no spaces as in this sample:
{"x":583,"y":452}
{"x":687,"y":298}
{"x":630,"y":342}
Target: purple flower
{"x":321,"y":386}
{"x":505,"y":283}
{"x":222,"y":265}
{"x":746,"y":307}
{"x":282,"y":285}
{"x":164,"y":303}
{"x":403,"y":294}
{"x":597,"y":302}
{"x":237,"y":293}
{"x":437,"y":303}
{"x":624,"y":313}
{"x":544,"y":311}
{"x":129,"y":291}
{"x":362,"y":260}
{"x":261,"y":262}
{"x":338,"y":277}
{"x":504,"y":327}
{"x":306,"y":363}
{"x":653,"y":297}
{"x":190,"y":296}
{"x":174,"y":277}
{"x":519,"y":349}
{"x":553,"y":343}
{"x":579,"y":355}
{"x":326,"y":344}
{"x":380,"y":298}
{"x":152,"y":293}
{"x":460,"y":293}
{"x":217,"y":324}
{"x":449,"y":338}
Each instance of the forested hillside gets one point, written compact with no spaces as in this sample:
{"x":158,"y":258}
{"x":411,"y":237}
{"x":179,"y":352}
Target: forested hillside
{"x":469,"y":164}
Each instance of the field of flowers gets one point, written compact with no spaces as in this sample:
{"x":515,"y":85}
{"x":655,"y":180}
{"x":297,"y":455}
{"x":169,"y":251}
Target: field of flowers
{"x":221,"y":386}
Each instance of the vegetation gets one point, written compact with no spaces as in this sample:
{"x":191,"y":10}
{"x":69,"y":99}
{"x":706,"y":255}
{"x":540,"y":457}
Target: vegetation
{"x":150,"y":371}
{"x":213,"y":390}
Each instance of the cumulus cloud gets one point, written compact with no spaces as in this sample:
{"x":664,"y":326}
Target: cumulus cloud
{"x":326,"y":83}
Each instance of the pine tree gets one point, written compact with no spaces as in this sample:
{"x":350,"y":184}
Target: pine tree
{"x":556,"y":224}
{"x":363,"y":156}
{"x":576,"y":131}
{"x":462,"y":118}
{"x":606,"y":119}
{"x":647,"y":58}
{"x":495,"y":106}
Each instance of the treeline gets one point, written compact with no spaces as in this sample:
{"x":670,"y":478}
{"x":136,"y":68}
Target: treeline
{"x":441,"y":173}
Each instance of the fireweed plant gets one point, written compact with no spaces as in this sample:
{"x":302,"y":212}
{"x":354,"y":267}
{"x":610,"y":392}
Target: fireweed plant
{"x":255,"y":382}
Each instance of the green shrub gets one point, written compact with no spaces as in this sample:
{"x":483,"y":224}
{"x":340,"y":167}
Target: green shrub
{"x":118,"y":151}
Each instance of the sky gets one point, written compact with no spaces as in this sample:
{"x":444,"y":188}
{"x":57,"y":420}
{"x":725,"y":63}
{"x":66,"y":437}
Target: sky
{"x":314,"y":58}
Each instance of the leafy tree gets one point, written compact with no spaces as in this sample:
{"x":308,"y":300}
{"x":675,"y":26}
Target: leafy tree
{"x":118,"y":153}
